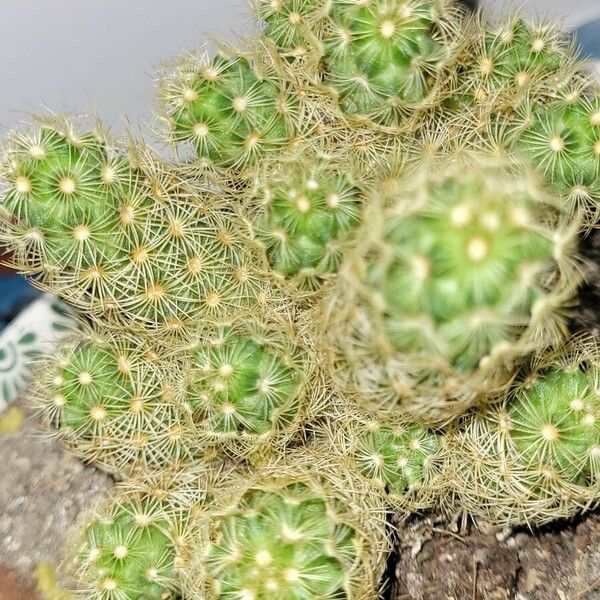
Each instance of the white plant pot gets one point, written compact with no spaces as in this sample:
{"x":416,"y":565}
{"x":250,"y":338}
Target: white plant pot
{"x":34,"y":332}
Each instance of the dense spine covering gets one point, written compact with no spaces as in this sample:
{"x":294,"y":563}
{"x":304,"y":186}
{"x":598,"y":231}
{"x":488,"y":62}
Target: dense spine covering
{"x":512,"y":64}
{"x":400,"y":459}
{"x":116,"y":403}
{"x":536,"y":457}
{"x":230,"y":109}
{"x":562,"y":140}
{"x":299,"y":529}
{"x":302,"y":212}
{"x":124,"y":238}
{"x":460,"y":273}
{"x":250,"y":388}
{"x":128,"y":551}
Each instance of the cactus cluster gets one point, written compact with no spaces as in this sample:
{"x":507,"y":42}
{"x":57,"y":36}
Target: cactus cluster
{"x":347,"y":291}
{"x":124,"y":239}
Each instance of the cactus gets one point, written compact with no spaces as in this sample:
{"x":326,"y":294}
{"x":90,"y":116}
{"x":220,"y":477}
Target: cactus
{"x":536,"y":457}
{"x":289,"y":532}
{"x":248,"y":388}
{"x":302,"y":214}
{"x":124,"y":239}
{"x":458,"y":275}
{"x":115,"y":402}
{"x":381,"y":60}
{"x":229,"y":110}
{"x":512,"y":64}
{"x":344,"y":295}
{"x":128,"y":551}
{"x":400,"y":459}
{"x":562,"y":140}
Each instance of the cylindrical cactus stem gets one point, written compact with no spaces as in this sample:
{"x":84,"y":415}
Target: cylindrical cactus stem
{"x":124,"y":238}
{"x":381,"y":61}
{"x":296,"y":529}
{"x":302,"y":211}
{"x":116,"y":403}
{"x":401,"y":460}
{"x":250,"y":388}
{"x":230,"y":110}
{"x":535,"y":457}
{"x":461,"y":272}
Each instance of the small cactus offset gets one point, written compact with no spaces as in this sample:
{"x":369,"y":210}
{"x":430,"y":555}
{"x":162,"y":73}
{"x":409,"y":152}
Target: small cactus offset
{"x":230,"y":111}
{"x":514,"y":63}
{"x":400,"y":459}
{"x":128,"y":552}
{"x":563,"y":142}
{"x":303,"y":211}
{"x":249,"y":388}
{"x":379,"y":60}
{"x":350,"y":293}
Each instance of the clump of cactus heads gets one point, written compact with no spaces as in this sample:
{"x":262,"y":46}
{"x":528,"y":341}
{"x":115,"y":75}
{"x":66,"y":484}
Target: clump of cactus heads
{"x":400,"y":459}
{"x":303,"y":212}
{"x":380,"y":60}
{"x":124,"y":239}
{"x":457,"y":275}
{"x":115,"y":402}
{"x":293,"y":530}
{"x":249,"y":387}
{"x":536,"y":457}
{"x":230,"y":110}
{"x":128,"y":550}
{"x":512,"y":64}
{"x":562,"y":140}
{"x":328,"y":308}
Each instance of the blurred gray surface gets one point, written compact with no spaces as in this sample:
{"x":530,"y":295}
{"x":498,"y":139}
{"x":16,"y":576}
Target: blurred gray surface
{"x":101,"y":55}
{"x":571,"y":13}
{"x":81,"y":55}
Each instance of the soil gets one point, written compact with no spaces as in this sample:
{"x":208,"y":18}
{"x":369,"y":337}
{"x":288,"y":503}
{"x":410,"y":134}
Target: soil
{"x":561,"y":562}
{"x":11,"y":588}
